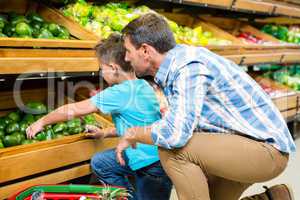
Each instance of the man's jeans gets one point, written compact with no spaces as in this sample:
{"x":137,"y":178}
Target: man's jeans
{"x":151,"y":182}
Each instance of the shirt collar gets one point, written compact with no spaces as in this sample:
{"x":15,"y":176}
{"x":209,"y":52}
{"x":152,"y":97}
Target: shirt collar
{"x":164,"y":69}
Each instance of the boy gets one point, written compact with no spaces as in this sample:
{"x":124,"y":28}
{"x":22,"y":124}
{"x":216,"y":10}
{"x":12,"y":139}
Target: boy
{"x":131,"y":102}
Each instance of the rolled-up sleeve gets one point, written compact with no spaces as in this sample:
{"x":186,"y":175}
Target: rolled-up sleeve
{"x":187,"y":92}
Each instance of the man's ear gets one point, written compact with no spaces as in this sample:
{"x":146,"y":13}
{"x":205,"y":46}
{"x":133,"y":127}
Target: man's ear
{"x":147,"y":50}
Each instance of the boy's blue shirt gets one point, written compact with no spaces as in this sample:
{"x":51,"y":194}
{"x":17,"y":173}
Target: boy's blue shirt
{"x":131,"y":103}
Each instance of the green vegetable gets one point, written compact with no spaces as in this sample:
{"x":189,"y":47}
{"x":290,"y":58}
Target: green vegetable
{"x":63,"y":33}
{"x":12,"y":127}
{"x":7,"y":120}
{"x":1,"y":144}
{"x":60,"y":127}
{"x":20,"y":137}
{"x":23,"y":126}
{"x":75,"y":130}
{"x":3,"y":22}
{"x":89,"y":119}
{"x":2,"y":123}
{"x":49,"y":134}
{"x":37,"y":117}
{"x":23,"y":29}
{"x":54,"y":29}
{"x":41,"y":136}
{"x":35,"y":108}
{"x":19,"y":19}
{"x":14,"y":116}
{"x":74,"y":123}
{"x":48,"y":127}
{"x":2,"y":35}
{"x":11,"y":140}
{"x":2,"y":134}
{"x":9,"y":30}
{"x":45,"y":34}
{"x":34,"y":17}
{"x":29,"y":118}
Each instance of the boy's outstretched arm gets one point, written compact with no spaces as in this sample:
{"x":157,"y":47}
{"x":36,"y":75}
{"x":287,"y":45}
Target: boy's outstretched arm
{"x":62,"y":113}
{"x":98,"y":133}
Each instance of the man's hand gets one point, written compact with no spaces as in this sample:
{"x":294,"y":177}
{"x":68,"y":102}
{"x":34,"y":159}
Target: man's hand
{"x":94,"y":132}
{"x":34,"y":128}
{"x":126,"y":141}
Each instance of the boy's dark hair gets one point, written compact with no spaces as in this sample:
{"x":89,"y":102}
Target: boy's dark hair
{"x":151,"y":29}
{"x":112,"y":50}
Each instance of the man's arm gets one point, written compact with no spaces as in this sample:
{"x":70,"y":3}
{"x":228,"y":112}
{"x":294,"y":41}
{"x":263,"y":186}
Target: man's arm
{"x":177,"y":126}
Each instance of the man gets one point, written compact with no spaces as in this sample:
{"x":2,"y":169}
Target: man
{"x":221,"y":132}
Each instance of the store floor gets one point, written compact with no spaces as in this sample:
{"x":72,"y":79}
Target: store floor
{"x":290,"y":176}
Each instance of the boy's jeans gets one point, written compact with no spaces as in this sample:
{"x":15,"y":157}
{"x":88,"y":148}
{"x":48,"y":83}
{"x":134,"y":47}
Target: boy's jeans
{"x":151,"y":182}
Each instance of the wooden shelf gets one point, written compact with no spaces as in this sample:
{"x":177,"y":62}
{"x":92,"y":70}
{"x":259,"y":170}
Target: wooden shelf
{"x":267,"y":7}
{"x":19,"y":61}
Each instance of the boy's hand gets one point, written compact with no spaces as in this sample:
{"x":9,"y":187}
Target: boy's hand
{"x":94,"y":132}
{"x":34,"y":128}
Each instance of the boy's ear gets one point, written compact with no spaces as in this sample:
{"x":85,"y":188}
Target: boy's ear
{"x":115,"y":66}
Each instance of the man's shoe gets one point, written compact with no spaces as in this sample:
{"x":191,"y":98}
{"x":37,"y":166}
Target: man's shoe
{"x":276,"y":192}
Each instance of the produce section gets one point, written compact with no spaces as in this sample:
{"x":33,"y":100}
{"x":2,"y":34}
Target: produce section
{"x":30,"y":26}
{"x":283,"y":33}
{"x":113,"y":17}
{"x":13,"y":126}
{"x":54,"y":41}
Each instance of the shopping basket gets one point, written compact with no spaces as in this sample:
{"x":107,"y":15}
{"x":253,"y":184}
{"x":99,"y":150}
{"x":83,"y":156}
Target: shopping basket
{"x":71,"y":192}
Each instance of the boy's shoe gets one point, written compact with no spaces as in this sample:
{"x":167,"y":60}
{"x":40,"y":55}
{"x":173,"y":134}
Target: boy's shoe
{"x":276,"y":192}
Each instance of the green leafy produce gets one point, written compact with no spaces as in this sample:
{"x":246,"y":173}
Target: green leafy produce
{"x":34,"y":17}
{"x":12,"y":127}
{"x":2,"y":123}
{"x":14,"y":116}
{"x":29,"y":118}
{"x":30,"y":26}
{"x":49,"y":134}
{"x":2,"y":134}
{"x":291,"y":35}
{"x":75,"y":130}
{"x":37,"y":117}
{"x":41,"y":136}
{"x":20,"y":137}
{"x":289,"y":76}
{"x":90,"y":120}
{"x":35,"y":108}
{"x":23,"y":126}
{"x":23,"y":29}
{"x":60,"y":127}
{"x":3,"y":21}
{"x":73,"y":123}
{"x":11,"y":140}
{"x":113,"y":17}
{"x":45,"y":34}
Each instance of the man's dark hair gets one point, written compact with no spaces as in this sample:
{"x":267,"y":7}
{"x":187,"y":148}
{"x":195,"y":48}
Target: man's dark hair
{"x":112,"y":50}
{"x":151,"y":29}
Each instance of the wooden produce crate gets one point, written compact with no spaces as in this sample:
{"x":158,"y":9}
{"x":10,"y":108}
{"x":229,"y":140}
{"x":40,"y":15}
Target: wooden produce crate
{"x":80,"y":38}
{"x":285,"y":99}
{"x":192,"y":22}
{"x":22,"y":55}
{"x":235,"y":27}
{"x":47,"y":162}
